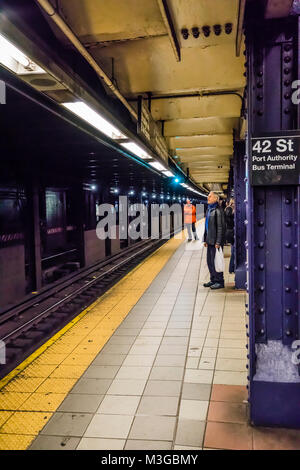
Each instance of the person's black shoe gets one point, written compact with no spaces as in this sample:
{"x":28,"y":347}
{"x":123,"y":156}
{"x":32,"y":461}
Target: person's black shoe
{"x":208,"y":284}
{"x":217,"y":286}
{"x":189,"y":240}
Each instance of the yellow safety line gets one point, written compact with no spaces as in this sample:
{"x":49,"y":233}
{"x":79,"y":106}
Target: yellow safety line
{"x":61,"y":332}
{"x":28,"y":401}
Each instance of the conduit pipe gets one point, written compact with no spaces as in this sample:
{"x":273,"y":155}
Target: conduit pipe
{"x":66,"y":30}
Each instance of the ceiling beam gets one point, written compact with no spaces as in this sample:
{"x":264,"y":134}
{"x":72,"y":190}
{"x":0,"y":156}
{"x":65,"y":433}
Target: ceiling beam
{"x":210,"y":168}
{"x":195,"y":152}
{"x":201,"y":140}
{"x":167,"y":18}
{"x":239,"y":29}
{"x":213,"y":164}
{"x":227,"y":106}
{"x":200,"y":126}
{"x":210,"y":181}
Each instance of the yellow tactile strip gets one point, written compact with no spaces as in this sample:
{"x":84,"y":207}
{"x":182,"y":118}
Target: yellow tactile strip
{"x":31,"y":393}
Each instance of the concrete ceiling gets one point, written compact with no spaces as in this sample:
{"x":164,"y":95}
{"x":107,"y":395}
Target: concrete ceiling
{"x":141,"y":47}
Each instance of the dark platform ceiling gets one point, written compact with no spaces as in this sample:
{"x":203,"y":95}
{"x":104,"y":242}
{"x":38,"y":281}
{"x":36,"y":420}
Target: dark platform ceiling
{"x":36,"y":140}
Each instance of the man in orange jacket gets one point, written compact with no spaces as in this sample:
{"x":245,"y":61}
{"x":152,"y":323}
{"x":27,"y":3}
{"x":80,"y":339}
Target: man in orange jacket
{"x":190,"y":220}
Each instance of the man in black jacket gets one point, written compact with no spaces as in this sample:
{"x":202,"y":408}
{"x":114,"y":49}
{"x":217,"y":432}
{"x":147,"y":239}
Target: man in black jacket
{"x":214,"y":237}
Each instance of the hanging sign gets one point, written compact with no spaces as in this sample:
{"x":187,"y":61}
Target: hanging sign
{"x":275,"y":160}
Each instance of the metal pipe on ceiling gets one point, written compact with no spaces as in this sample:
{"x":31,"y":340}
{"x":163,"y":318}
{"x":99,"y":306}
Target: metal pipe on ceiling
{"x":166,"y":16}
{"x":240,"y":25}
{"x":60,"y":23}
{"x":193,"y":95}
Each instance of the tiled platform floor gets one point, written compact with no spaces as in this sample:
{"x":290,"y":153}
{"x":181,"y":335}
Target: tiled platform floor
{"x":172,"y":376}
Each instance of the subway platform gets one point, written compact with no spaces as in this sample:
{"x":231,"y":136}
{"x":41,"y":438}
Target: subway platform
{"x":158,"y":362}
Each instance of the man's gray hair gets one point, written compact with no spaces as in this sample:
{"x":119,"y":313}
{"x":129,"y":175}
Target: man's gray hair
{"x":216,"y":194}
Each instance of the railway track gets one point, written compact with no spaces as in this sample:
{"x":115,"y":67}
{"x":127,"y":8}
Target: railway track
{"x":29,"y":324}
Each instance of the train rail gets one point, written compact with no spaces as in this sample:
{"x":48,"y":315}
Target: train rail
{"x":30,"y":323}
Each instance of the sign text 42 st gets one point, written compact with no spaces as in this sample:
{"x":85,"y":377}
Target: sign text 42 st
{"x":275,"y":160}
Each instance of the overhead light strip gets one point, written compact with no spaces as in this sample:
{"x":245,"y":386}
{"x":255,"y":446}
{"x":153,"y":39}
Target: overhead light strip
{"x":15,"y":60}
{"x":85,"y":112}
{"x":137,"y":150}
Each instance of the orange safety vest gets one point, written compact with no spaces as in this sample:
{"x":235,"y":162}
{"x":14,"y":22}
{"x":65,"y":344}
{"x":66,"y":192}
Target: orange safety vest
{"x":189,"y":214}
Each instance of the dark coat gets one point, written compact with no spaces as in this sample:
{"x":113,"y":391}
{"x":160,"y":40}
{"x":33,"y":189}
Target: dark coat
{"x":215,"y":235}
{"x":229,"y":217}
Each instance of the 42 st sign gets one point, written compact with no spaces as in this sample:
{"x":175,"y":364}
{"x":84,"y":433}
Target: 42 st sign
{"x":275,"y":160}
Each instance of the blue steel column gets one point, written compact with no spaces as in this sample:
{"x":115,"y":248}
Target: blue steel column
{"x":240,"y":214}
{"x":272,"y":231}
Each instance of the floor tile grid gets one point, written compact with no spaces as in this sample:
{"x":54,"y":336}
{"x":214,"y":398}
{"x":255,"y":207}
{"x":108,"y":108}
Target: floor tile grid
{"x":154,"y":363}
{"x":182,"y":402}
{"x":226,"y":300}
{"x":141,"y":396}
{"x":178,"y":290}
{"x":34,"y":383}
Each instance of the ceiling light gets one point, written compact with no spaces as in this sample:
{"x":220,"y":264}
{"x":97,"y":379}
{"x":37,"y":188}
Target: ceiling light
{"x":138,"y":151}
{"x":157,"y":166}
{"x":92,"y":117}
{"x":168,"y":173}
{"x":14,"y":59}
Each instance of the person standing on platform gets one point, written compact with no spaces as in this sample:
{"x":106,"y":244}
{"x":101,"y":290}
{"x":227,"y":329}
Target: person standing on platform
{"x":190,"y":220}
{"x":229,"y":217}
{"x":214,"y":238}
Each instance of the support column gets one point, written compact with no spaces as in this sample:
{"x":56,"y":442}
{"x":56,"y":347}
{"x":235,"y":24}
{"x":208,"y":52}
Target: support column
{"x":272,"y":229}
{"x":80,"y":219}
{"x":240,"y":214}
{"x":33,"y":195}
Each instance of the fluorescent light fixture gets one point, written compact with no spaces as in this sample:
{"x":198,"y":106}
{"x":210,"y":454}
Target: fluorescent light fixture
{"x":168,"y":173}
{"x":14,"y":59}
{"x":138,"y":151}
{"x":157,"y":166}
{"x":184,"y":185}
{"x":92,"y":117}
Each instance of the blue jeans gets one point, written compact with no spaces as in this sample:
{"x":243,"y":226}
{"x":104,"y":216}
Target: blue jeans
{"x":190,"y":228}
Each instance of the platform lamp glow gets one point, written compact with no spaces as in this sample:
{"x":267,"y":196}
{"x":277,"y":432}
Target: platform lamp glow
{"x":85,"y":112}
{"x":16,"y":60}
